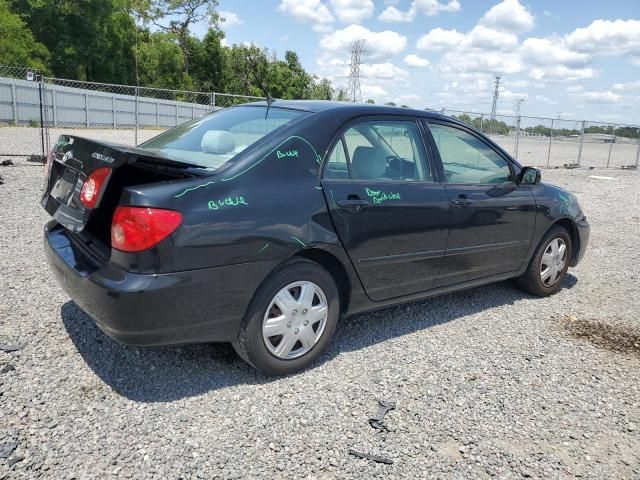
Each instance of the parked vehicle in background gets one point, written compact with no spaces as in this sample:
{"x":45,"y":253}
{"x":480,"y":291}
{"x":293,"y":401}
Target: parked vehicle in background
{"x":262,"y":225}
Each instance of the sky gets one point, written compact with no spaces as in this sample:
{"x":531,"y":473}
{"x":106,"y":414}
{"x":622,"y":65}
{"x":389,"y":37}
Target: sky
{"x":573,"y":59}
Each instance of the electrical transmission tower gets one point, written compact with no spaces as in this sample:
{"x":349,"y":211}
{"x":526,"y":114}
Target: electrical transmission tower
{"x":357,"y":48}
{"x":496,"y":93}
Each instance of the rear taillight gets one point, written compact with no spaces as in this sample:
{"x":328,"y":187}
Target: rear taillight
{"x":137,"y":228}
{"x":93,"y":185}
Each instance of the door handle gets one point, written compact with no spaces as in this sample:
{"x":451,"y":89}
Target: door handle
{"x":355,"y":205}
{"x":461,"y":202}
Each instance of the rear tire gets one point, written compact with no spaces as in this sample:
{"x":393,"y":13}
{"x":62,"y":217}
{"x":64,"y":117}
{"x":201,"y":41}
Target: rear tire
{"x":290,"y":320}
{"x":549,"y":265}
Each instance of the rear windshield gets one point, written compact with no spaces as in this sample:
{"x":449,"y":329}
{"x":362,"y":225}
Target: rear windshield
{"x":214,"y":139}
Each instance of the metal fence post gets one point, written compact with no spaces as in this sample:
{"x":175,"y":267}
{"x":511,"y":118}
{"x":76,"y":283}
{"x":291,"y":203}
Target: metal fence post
{"x":44,"y":152}
{"x":86,"y":109}
{"x":481,"y":122}
{"x":213,"y":101}
{"x":53,"y":107}
{"x":611,"y":145}
{"x":550,"y":140}
{"x":136,"y":120}
{"x":14,"y":101}
{"x":517,"y":142}
{"x":638,"y":150}
{"x":581,"y":142}
{"x":157,"y":113}
{"x":115,"y":112}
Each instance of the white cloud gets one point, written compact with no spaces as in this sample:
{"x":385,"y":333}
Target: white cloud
{"x":372,"y":91}
{"x":312,"y":11}
{"x":386,"y":71}
{"x":605,"y":37}
{"x":574,"y":88}
{"x":230,"y":19}
{"x":509,"y":15}
{"x":489,"y":39}
{"x":428,"y":8}
{"x":560,"y":72}
{"x":545,"y":99}
{"x":378,"y":45}
{"x":416,"y":61}
{"x":503,"y":63}
{"x":352,"y":11}
{"x":552,"y":51}
{"x":601,"y":97}
{"x":439,"y":39}
{"x":627,"y":87}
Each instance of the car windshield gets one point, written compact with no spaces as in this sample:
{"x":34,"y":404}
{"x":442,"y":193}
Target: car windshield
{"x":212,"y":140}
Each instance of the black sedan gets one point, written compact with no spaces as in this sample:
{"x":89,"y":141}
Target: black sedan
{"x":263,"y":225}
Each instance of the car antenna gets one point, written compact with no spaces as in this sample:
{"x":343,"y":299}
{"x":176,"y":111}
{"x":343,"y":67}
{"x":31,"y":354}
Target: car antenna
{"x":270,"y":99}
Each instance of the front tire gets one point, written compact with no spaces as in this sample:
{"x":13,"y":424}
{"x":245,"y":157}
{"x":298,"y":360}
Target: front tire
{"x":549,"y":265}
{"x":290,"y":320}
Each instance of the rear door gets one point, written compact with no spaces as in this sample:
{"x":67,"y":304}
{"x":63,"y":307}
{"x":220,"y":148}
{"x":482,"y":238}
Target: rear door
{"x":390,"y":214}
{"x":492,"y":217}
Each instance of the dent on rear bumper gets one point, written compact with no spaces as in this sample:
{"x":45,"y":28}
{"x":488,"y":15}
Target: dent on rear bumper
{"x":173,"y":308}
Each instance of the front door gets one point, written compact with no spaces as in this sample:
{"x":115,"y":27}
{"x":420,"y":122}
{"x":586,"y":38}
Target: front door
{"x":390,"y":215}
{"x":492,"y":217}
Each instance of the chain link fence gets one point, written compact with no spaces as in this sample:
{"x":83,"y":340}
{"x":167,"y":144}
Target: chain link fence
{"x":35,"y":110}
{"x":21,"y":115}
{"x":555,"y":142}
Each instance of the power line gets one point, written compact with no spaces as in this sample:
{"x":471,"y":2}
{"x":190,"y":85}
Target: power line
{"x":353,"y":88}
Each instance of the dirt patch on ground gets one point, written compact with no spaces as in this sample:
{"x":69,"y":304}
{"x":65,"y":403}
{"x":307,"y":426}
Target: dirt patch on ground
{"x":617,"y":338}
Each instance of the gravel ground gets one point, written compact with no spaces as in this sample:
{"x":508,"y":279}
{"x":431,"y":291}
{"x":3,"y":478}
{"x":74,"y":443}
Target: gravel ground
{"x":488,"y":382}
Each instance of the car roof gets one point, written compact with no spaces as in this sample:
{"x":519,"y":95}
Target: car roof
{"x":315,"y":106}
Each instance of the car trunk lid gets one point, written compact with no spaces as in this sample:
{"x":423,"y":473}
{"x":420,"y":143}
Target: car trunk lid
{"x":74,"y":159}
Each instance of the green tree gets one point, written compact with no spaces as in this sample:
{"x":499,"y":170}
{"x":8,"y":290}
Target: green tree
{"x":17,"y":45}
{"x":321,"y":89}
{"x":87,"y":39}
{"x":160,"y":62}
{"x":177,"y":16}
{"x":370,"y":101}
{"x":208,"y":61}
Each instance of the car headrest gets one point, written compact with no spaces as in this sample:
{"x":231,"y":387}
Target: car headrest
{"x":368,"y":162}
{"x":217,"y":142}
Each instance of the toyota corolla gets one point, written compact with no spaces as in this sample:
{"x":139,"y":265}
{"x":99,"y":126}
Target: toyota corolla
{"x":263,"y":225}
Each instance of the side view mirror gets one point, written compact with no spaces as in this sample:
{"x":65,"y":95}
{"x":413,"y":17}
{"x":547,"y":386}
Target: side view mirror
{"x":529,"y":176}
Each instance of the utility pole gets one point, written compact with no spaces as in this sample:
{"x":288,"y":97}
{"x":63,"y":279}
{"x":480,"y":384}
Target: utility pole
{"x":357,"y":48}
{"x":517,"y":141}
{"x":496,"y":93}
{"x":518,"y":103}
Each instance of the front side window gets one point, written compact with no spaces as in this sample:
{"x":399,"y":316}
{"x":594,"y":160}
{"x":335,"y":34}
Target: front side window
{"x":214,"y":139}
{"x":381,"y":151}
{"x":467,"y":159}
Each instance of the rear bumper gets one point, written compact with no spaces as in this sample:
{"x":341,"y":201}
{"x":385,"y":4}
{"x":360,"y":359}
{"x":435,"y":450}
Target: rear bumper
{"x":584,"y":230}
{"x":195,"y":306}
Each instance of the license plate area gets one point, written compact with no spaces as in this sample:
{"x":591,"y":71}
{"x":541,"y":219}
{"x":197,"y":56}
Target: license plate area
{"x":64,"y":181}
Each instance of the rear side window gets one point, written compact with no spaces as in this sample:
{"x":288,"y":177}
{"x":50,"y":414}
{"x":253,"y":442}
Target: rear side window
{"x":467,"y":159}
{"x":379,"y":150}
{"x":214,"y":139}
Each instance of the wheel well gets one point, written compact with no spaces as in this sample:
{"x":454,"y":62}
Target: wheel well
{"x":335,"y":268}
{"x":570,"y":227}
